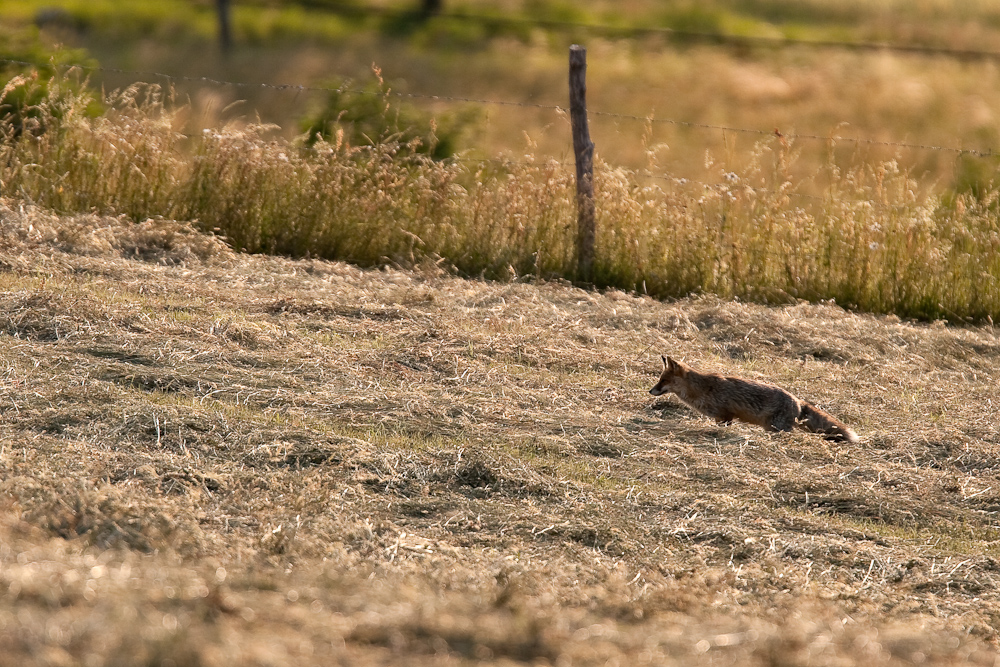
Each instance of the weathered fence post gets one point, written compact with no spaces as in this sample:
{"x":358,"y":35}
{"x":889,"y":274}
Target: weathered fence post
{"x":225,"y":32}
{"x":583,"y":148}
{"x":429,"y":8}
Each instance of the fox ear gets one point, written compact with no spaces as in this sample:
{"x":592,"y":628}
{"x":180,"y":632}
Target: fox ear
{"x":676,"y":367}
{"x":664,"y":360}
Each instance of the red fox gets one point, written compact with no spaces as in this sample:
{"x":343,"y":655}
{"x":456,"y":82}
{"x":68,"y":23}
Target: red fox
{"x":728,"y":398}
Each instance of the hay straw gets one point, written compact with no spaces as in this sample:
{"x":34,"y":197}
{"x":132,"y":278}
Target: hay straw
{"x":209,"y":457}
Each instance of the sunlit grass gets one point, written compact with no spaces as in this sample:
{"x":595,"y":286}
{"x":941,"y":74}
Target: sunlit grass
{"x":883,"y":96}
{"x":948,"y":536}
{"x":870,"y":236}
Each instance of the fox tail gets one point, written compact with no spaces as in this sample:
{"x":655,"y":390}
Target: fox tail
{"x":813,"y":419}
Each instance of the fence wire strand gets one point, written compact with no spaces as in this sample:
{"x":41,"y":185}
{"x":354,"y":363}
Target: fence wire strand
{"x":985,"y":153}
{"x":284,"y":87}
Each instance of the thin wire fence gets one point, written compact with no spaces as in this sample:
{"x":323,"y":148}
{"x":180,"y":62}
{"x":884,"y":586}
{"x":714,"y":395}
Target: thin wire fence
{"x":507,"y":162}
{"x":729,"y":187}
{"x":289,"y":87}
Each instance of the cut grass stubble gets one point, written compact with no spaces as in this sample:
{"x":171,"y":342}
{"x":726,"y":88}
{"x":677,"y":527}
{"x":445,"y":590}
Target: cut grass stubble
{"x":317,"y":458}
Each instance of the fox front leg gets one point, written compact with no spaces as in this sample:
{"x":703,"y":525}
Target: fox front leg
{"x":725,"y":419}
{"x":782,"y":424}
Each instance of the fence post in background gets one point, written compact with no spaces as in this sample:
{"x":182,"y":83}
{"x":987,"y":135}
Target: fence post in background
{"x":225,"y":33}
{"x":429,"y":8}
{"x":583,"y":149}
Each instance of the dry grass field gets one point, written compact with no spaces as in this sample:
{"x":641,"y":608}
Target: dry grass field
{"x":869,"y":236}
{"x":218,"y":459}
{"x":890,"y":96}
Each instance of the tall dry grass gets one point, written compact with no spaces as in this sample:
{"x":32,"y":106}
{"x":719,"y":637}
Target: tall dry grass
{"x":868,"y":235}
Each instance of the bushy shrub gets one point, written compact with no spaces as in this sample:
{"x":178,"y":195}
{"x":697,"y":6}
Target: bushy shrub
{"x":26,"y":72}
{"x":371,"y":114}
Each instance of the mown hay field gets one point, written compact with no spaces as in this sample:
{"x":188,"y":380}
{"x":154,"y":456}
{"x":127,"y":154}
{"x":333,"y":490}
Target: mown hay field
{"x":210,"y":458}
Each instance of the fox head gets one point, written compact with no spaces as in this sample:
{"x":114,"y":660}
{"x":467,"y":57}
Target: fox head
{"x":673,"y":372}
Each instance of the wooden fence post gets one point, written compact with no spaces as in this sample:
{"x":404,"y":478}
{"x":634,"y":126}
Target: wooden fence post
{"x":583,"y":148}
{"x":225,"y":33}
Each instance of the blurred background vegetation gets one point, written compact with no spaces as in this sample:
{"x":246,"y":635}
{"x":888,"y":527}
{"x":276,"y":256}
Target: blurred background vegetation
{"x":717,"y":62}
{"x":371,"y":94}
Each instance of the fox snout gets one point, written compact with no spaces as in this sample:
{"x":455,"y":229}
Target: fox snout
{"x":670,"y":369}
